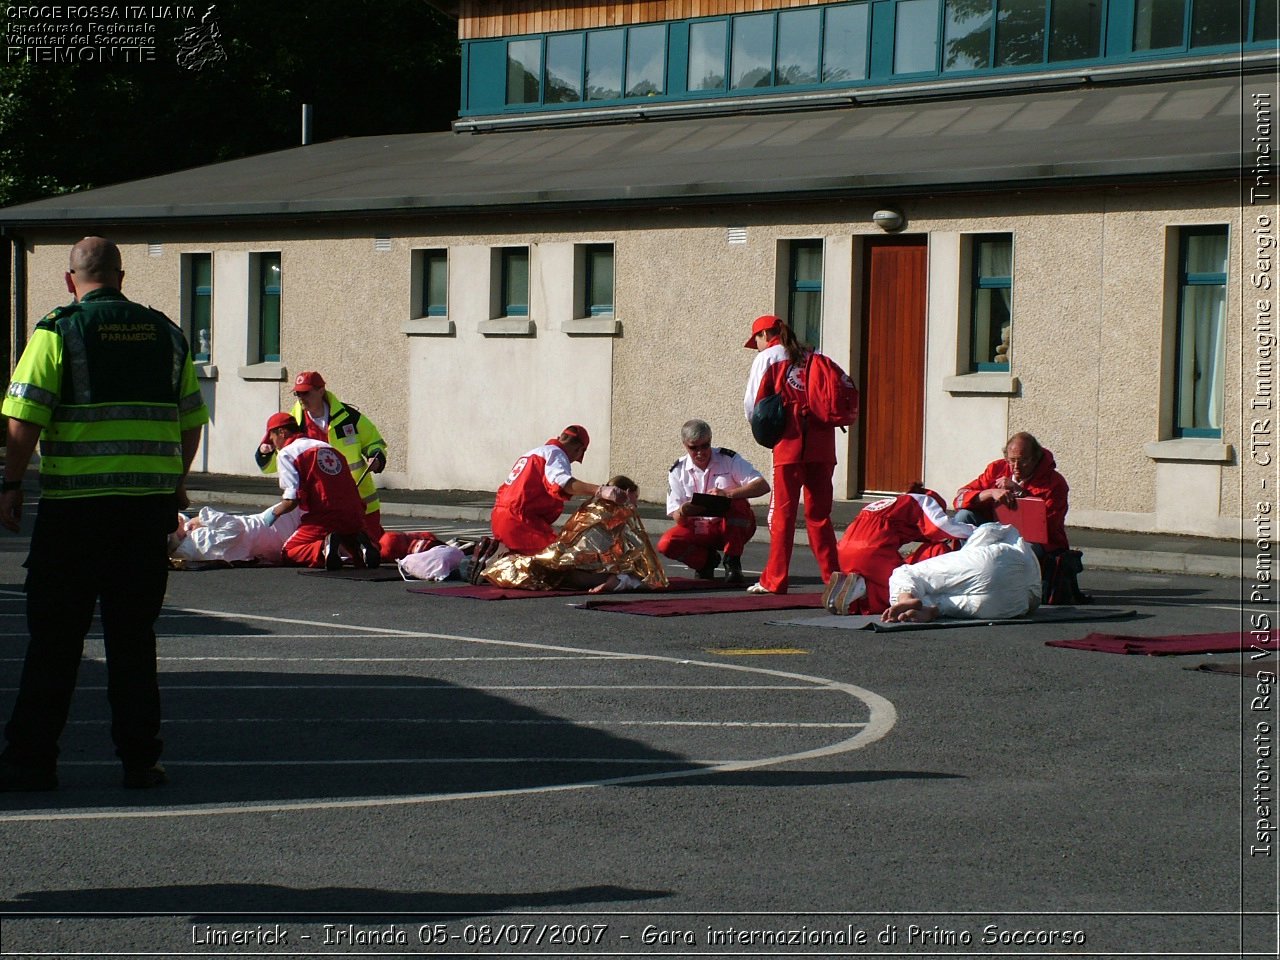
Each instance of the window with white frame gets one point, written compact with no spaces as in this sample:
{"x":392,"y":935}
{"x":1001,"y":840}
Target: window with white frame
{"x":197,"y":304}
{"x":991,"y":302}
{"x":804,"y":291}
{"x":1200,"y":332}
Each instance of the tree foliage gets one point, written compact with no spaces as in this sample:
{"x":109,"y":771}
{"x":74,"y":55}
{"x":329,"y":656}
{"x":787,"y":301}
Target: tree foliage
{"x":367,"y":66}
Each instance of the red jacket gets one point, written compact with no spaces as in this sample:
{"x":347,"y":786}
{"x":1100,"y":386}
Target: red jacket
{"x":1045,"y":482}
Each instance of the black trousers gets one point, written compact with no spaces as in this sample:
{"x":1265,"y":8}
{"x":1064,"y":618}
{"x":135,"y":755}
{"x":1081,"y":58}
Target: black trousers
{"x":109,"y":551}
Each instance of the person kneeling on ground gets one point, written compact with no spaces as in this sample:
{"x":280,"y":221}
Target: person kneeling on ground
{"x":870,"y":549}
{"x":697,"y":539}
{"x":994,"y":576}
{"x":315,"y":478}
{"x":533,"y":496}
{"x":603,"y":546}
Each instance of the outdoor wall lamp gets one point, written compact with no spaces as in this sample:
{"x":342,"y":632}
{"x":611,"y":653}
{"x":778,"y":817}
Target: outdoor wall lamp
{"x":889,"y":220}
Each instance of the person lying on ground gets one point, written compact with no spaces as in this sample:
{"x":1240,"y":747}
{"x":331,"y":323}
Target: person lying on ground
{"x":994,"y":576}
{"x":603,"y":546}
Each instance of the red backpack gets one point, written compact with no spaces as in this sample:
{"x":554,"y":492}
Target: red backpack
{"x":832,"y":397}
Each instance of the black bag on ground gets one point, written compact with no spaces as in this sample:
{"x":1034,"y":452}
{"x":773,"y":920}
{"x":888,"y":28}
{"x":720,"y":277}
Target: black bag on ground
{"x":768,"y":420}
{"x":1059,"y":586}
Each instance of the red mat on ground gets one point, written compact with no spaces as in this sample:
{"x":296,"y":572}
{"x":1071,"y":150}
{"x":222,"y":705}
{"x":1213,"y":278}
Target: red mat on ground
{"x":487,"y":591}
{"x":724,"y":603}
{"x":1232,"y":642}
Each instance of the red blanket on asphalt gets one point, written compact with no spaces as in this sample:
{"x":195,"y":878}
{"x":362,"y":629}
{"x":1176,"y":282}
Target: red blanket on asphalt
{"x":487,"y":591}
{"x":1170,"y":646}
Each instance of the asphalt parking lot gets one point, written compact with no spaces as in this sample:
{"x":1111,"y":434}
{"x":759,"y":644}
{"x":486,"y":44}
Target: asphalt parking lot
{"x":357,"y":769}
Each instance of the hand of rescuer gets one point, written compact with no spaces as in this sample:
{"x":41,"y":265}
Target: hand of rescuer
{"x":11,"y":509}
{"x":378,"y":462}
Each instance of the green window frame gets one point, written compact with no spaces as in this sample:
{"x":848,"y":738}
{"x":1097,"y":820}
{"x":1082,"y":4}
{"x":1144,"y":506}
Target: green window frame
{"x":269,"y":288}
{"x":515,"y":282}
{"x":199,"y":306}
{"x":435,"y":283}
{"x":991,"y":302}
{"x":598,"y":279}
{"x":804,"y":291}
{"x":1200,"y":334}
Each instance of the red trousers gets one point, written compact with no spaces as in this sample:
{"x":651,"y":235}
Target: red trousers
{"x":521,"y":534}
{"x":306,"y":547}
{"x":788,"y":480}
{"x":691,"y":541}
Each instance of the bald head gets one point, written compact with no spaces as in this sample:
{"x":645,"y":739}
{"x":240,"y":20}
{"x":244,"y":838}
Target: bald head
{"x":95,"y":262}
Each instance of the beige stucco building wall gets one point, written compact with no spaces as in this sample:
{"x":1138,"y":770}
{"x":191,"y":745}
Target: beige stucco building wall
{"x":459,"y":397}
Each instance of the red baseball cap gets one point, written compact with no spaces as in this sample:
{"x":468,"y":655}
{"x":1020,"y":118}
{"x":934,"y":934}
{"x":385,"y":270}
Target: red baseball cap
{"x":766,"y":322}
{"x":278,"y":420}
{"x":575,"y":431}
{"x":308,"y":380}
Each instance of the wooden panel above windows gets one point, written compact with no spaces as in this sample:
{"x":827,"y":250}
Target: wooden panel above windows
{"x":485,"y":19}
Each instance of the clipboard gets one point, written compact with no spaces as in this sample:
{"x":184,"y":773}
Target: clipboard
{"x":709,"y":505}
{"x":1029,"y":516}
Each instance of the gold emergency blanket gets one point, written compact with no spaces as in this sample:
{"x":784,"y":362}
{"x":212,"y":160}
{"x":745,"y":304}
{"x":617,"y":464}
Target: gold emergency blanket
{"x":602,"y":537}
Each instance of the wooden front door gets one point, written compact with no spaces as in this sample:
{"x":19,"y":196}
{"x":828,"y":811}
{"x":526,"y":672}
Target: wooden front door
{"x":891,"y":432}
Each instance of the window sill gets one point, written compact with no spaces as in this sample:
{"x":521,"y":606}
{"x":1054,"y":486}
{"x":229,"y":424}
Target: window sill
{"x":262,"y":371}
{"x":507,"y":327}
{"x":592,"y":327}
{"x":993,"y":384}
{"x":428,"y":327}
{"x":1188,"y":450}
{"x":206,"y":371}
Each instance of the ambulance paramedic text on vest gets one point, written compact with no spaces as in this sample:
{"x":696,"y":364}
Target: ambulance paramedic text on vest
{"x":109,"y":390}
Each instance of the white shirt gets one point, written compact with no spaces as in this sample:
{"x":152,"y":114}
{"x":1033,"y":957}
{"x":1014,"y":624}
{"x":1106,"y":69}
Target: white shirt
{"x":727,"y":469}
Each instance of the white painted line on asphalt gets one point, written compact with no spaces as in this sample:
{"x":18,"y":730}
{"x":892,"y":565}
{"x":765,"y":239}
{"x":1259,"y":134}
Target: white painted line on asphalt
{"x":493,"y":722}
{"x":436,"y":687}
{"x":882,"y":717}
{"x":411,"y":761}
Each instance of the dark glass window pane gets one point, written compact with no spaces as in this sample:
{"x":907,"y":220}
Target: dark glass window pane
{"x":805,"y":305}
{"x":915,"y":40}
{"x":752,"y":51}
{"x":844,"y":44}
{"x":967,"y":37}
{"x":798,"y":46}
{"x":1265,"y":15}
{"x":1215,"y":22}
{"x":435,"y":284}
{"x":1158,"y":24}
{"x":604,"y":65}
{"x":1019,"y":32}
{"x":515,"y":282}
{"x":1201,"y":331}
{"x":269,"y":307}
{"x":1075,"y":29}
{"x":646,"y":61}
{"x":524,"y":71}
{"x":599,"y":280}
{"x":201,"y":306}
{"x":992,"y":302}
{"x":708,"y":45}
{"x":564,"y":68}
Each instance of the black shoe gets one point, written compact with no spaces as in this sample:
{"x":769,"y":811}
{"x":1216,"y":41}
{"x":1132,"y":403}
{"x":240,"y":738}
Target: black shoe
{"x":708,"y":570}
{"x":332,"y":552}
{"x":17,"y":779}
{"x":733,"y":570}
{"x":367,"y":552}
{"x":144,"y":778}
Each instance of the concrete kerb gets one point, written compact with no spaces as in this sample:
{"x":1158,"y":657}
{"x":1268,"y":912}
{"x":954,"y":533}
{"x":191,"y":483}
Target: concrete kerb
{"x":1095,"y":557}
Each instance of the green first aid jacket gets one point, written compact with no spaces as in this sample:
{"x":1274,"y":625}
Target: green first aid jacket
{"x":352,"y":434}
{"x":112,"y":384}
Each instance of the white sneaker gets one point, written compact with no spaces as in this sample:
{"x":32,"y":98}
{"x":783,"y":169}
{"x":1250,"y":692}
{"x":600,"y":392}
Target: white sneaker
{"x":758,"y":588}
